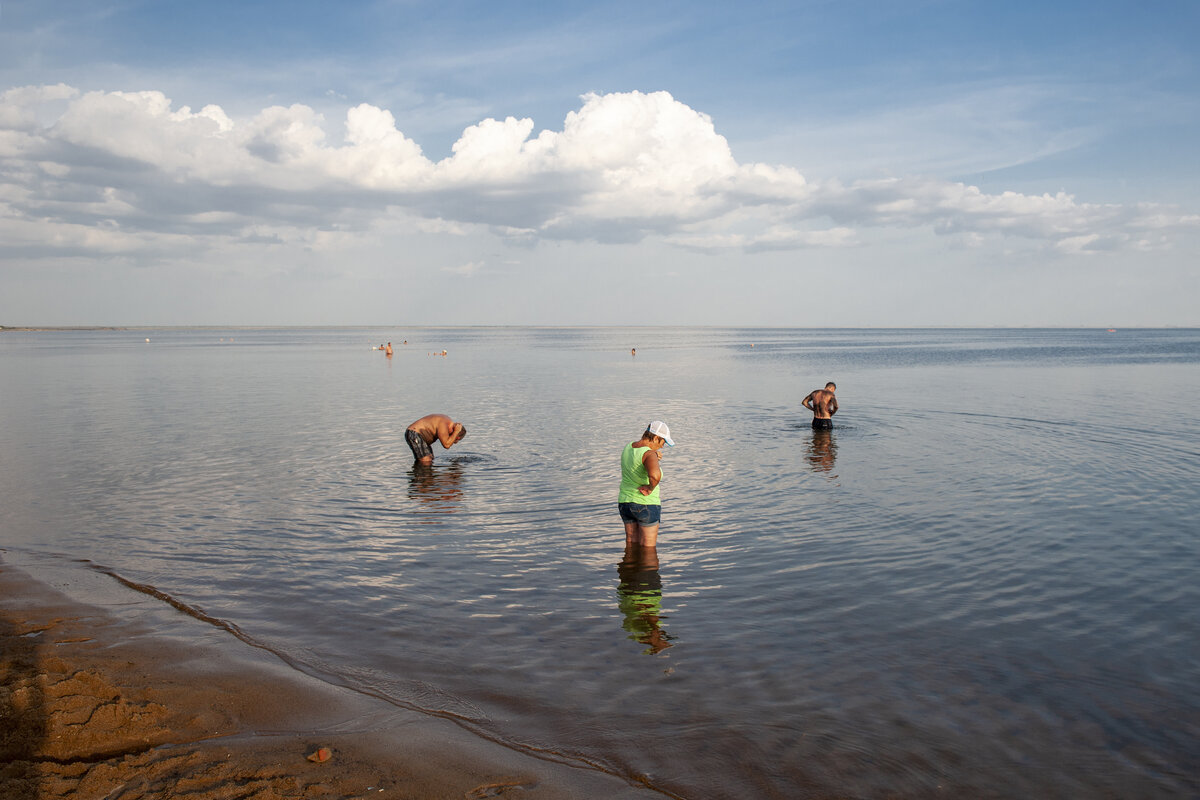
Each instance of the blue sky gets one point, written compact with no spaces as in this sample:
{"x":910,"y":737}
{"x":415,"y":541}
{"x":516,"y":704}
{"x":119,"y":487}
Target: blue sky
{"x":414,"y":163}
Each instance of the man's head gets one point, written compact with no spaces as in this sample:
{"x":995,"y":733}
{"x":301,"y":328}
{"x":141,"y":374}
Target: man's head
{"x":462,"y":432}
{"x":831,"y":386}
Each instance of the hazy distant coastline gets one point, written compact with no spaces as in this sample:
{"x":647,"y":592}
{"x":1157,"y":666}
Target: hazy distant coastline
{"x":63,"y":328}
{"x":69,"y":328}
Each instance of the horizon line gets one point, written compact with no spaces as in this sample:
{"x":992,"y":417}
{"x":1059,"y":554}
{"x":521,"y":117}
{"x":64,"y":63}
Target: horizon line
{"x":393,"y":326}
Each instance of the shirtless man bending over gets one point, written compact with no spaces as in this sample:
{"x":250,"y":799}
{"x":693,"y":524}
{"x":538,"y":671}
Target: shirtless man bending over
{"x":433,"y":427}
{"x":823,"y":405}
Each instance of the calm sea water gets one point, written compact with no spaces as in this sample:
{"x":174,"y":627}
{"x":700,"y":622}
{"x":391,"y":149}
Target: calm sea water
{"x":984,"y":582}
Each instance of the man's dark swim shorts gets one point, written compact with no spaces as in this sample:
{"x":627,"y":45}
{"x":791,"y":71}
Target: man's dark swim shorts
{"x":419,"y":446}
{"x":822,"y":424}
{"x":641,"y":514}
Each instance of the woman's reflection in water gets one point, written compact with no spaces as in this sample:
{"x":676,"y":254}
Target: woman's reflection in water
{"x":436,"y":488}
{"x":639,"y":596}
{"x":822,"y":451}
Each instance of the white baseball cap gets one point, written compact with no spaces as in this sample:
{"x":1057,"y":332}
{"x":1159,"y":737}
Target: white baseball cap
{"x":661,"y":429}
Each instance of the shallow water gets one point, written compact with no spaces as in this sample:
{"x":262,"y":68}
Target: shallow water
{"x":982,"y":582}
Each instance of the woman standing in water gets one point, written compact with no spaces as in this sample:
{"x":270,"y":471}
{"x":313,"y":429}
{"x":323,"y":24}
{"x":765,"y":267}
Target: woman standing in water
{"x":638,"y":499}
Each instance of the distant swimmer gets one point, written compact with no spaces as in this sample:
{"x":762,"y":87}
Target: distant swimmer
{"x":433,"y":427}
{"x":638,"y":498}
{"x":823,"y":405}
{"x":633,"y":352}
{"x":389,"y":348}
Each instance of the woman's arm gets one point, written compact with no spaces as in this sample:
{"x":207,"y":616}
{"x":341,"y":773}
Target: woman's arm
{"x":653,"y":472}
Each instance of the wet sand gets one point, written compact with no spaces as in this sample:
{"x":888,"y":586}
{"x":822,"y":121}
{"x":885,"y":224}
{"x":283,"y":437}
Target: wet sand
{"x":96,"y":705}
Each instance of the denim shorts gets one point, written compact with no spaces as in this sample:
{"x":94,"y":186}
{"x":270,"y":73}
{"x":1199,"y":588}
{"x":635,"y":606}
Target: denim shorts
{"x":641,"y":514}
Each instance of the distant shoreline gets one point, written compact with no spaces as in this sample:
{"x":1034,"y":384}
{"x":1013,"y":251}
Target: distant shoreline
{"x":84,"y":328}
{"x":48,"y":328}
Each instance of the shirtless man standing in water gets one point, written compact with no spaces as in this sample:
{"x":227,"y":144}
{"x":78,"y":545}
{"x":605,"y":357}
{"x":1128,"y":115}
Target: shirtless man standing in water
{"x":433,"y":427}
{"x":823,"y":405}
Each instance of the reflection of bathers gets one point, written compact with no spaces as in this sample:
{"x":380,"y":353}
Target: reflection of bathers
{"x":822,"y":424}
{"x":419,"y":446}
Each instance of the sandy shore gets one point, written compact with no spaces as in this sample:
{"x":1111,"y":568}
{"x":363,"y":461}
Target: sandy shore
{"x":94,"y":705}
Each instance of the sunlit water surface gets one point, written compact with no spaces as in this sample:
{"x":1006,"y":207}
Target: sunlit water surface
{"x":984,"y":582}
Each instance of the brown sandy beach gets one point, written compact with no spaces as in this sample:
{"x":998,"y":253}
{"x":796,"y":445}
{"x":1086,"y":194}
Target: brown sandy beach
{"x":94,"y":705}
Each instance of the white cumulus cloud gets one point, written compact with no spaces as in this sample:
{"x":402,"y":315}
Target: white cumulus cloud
{"x":119,"y":171}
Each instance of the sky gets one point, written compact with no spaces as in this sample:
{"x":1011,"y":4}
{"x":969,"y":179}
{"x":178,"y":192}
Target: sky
{"x":784,"y":164}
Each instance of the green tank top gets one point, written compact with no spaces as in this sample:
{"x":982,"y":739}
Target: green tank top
{"x":633,"y":475}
